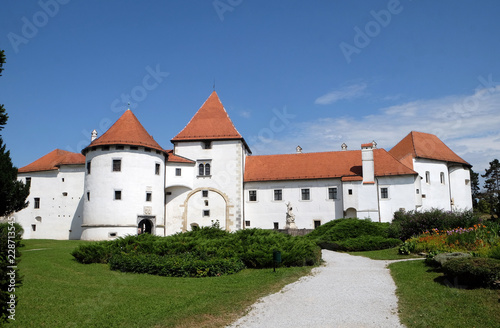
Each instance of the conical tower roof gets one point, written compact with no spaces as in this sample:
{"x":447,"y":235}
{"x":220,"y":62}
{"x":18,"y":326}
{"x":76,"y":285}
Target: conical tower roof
{"x":210,"y":122}
{"x":127,"y":130}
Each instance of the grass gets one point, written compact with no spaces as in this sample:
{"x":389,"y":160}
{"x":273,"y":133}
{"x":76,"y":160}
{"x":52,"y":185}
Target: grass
{"x":427,"y":300}
{"x":60,"y":292}
{"x":385,"y":254}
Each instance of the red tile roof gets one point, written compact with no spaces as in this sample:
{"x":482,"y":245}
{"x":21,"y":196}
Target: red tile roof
{"x":424,"y":145}
{"x":342,"y":164}
{"x":177,"y":159}
{"x":211,"y":122}
{"x":127,"y":130}
{"x":53,"y":160}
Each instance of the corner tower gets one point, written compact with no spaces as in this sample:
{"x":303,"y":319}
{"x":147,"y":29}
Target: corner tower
{"x":124,"y":182}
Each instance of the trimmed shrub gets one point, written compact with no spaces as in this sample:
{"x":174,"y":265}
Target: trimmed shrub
{"x":442,"y":258}
{"x":352,"y":234}
{"x":408,"y":224}
{"x":474,"y":271}
{"x":203,"y":252}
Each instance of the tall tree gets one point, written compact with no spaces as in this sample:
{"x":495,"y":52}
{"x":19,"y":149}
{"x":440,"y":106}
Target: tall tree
{"x":13,"y":193}
{"x":474,"y":186}
{"x":492,"y":186}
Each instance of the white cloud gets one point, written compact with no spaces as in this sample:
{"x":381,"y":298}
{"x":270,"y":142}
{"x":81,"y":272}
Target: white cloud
{"x":349,"y":92}
{"x":245,"y":113}
{"x":468,"y":124}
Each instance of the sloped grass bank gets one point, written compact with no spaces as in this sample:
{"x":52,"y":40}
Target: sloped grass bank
{"x":58,"y":291}
{"x":428,"y":299}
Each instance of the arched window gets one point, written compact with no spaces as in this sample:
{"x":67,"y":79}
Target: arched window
{"x":201,"y":169}
{"x":207,"y":169}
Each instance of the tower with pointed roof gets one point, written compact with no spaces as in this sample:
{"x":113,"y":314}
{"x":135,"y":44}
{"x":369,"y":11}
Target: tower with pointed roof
{"x":210,"y":188}
{"x":124,"y":182}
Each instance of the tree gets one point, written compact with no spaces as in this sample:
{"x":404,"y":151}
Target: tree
{"x":13,"y":193}
{"x":474,"y":186}
{"x":492,"y":186}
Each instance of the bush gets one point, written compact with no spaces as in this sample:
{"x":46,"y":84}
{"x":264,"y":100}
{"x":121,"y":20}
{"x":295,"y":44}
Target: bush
{"x":408,"y":224}
{"x":474,"y":271}
{"x":353,"y":235}
{"x":203,"y":252}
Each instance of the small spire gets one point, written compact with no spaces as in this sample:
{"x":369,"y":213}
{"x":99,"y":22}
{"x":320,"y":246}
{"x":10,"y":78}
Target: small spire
{"x":214,"y":84}
{"x":128,"y":107}
{"x":344,"y":146}
{"x":298,"y":150}
{"x":374,"y":144}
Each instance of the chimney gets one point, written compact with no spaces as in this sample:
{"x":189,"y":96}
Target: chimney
{"x":93,"y":135}
{"x":344,"y":147}
{"x":367,"y":162}
{"x":298,"y":150}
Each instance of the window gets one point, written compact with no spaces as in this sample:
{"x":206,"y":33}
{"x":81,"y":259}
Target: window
{"x":105,"y":147}
{"x":207,"y":145}
{"x":278,"y":194}
{"x":88,"y":167}
{"x":178,"y":172}
{"x":384,"y":192}
{"x":33,"y":227}
{"x":305,"y":194}
{"x":252,"y":195}
{"x":120,"y":147}
{"x":149,"y":195}
{"x":88,"y":196}
{"x":28,"y":182}
{"x":206,"y":203}
{"x":118,"y":194}
{"x":157,"y":168}
{"x":349,"y":191}
{"x":418,"y":191}
{"x":37,"y":202}
{"x":206,"y":212}
{"x":427,"y":177}
{"x":204,"y":169}
{"x":147,"y":150}
{"x":247,"y":223}
{"x":276,"y":225}
{"x":467,"y":181}
{"x":441,"y":177}
{"x":332,"y":193}
{"x":134,"y":148}
{"x":204,"y":193}
{"x":317,"y":223}
{"x":65,"y":194}
{"x":117,"y":165}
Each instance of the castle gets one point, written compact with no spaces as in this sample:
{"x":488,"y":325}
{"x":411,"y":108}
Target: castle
{"x":125,"y":183}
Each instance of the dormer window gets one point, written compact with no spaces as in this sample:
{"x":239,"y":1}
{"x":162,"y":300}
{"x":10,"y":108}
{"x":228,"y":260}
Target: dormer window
{"x":207,"y":144}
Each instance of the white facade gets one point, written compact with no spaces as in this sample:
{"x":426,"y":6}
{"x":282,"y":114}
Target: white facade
{"x":55,"y":209}
{"x":123,"y":187}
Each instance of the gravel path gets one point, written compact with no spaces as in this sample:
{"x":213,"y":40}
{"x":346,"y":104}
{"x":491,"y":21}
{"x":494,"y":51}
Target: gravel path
{"x":348,"y":291}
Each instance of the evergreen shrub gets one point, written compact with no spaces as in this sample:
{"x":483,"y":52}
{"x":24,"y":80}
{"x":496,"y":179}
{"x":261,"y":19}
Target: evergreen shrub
{"x":474,"y":271}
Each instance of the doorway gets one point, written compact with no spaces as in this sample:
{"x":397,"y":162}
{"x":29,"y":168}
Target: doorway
{"x":145,"y":226}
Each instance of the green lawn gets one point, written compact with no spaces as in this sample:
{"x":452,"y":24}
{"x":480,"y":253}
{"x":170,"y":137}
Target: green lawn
{"x":427,"y":300}
{"x":60,"y":292}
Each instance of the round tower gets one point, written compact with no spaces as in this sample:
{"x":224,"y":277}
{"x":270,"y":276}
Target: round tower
{"x":124,"y":182}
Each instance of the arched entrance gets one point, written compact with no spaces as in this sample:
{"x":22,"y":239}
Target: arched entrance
{"x":145,"y":226}
{"x":351,"y":213}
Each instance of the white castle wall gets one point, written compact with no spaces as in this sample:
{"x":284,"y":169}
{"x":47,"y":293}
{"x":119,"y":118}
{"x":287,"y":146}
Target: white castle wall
{"x":265,"y":211}
{"x":61,"y":211}
{"x":401,"y":195}
{"x":185,"y":206}
{"x":460,"y":186}
{"x":435,"y":194}
{"x":105,"y":217}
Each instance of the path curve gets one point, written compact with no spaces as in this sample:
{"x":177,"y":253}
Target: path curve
{"x":347,"y":291}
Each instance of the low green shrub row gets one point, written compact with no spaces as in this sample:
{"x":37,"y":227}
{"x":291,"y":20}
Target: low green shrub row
{"x":202,"y":252}
{"x":175,"y":266}
{"x":353,"y":235}
{"x":474,"y":271}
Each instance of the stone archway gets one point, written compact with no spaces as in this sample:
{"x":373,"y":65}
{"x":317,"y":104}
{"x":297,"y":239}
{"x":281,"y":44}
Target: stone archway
{"x":145,"y":226}
{"x":227,"y":221}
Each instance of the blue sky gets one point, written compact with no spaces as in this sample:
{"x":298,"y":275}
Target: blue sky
{"x":308,"y":73}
